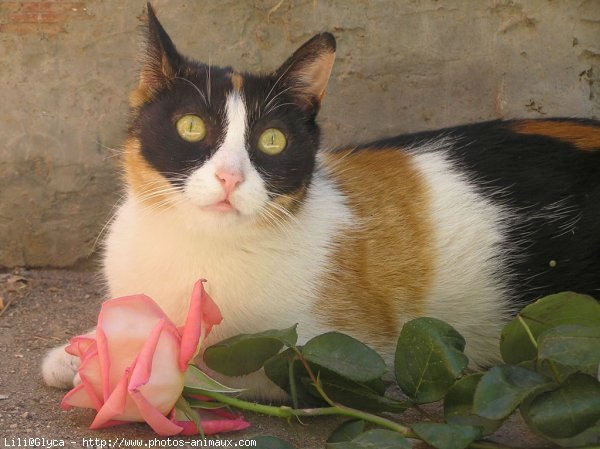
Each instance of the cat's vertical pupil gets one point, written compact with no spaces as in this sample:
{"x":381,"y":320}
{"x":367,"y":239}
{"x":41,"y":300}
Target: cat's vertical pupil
{"x":191,"y":128}
{"x":272,"y":141}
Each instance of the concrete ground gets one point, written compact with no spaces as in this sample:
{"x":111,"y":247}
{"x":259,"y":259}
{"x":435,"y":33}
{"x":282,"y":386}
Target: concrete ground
{"x":43,"y":309}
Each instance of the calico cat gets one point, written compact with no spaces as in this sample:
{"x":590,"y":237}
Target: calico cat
{"x":225,"y":180}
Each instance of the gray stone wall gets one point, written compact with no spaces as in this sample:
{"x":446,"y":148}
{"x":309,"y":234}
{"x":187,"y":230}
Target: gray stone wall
{"x":66,"y":68}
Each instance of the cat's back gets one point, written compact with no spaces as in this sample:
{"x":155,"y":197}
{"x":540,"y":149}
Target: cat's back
{"x":513,"y":206}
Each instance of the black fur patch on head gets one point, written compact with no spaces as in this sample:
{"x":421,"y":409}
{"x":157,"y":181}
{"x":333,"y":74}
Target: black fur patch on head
{"x":155,"y":122}
{"x":269,"y":105}
{"x":288,"y":99}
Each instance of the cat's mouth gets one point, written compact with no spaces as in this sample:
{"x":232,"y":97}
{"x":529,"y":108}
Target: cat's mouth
{"x":223,"y":206}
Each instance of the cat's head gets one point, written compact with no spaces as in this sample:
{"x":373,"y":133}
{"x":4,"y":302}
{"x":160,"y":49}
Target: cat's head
{"x":229,"y":147}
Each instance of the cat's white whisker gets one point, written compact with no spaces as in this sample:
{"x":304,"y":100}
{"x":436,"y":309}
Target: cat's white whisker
{"x":274,"y":108}
{"x":284,"y":211}
{"x":276,"y":83}
{"x":272,"y":100}
{"x":196,"y":88}
{"x":113,"y":151}
{"x":208,"y":80}
{"x":112,"y":214}
{"x":282,"y":225}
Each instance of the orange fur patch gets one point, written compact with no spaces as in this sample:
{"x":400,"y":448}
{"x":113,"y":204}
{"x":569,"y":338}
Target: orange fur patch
{"x":139,"y":97}
{"x":381,"y":268}
{"x":291,"y":201}
{"x":584,"y":137}
{"x":145,"y":181}
{"x":281,"y":208}
{"x":237,"y":80}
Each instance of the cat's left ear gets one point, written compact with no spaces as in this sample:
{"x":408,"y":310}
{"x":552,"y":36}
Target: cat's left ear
{"x":307,"y":71}
{"x":161,"y":61}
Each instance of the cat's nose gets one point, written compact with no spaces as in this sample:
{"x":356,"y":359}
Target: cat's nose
{"x":229,"y":179}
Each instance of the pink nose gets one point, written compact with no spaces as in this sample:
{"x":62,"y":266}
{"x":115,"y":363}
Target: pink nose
{"x":229,"y":179}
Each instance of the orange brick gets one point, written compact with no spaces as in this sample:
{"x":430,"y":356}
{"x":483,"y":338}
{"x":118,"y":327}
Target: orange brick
{"x":38,"y":17}
{"x":9,"y":6}
{"x":57,"y":6}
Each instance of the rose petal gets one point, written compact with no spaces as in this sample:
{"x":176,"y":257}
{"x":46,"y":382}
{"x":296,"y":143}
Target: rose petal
{"x":111,"y":423}
{"x":103,"y":359}
{"x":220,"y":426}
{"x":203,"y":313}
{"x":155,"y":419}
{"x":211,"y":426}
{"x":190,"y":335}
{"x":189,"y":427}
{"x":143,"y":365}
{"x":155,"y":373}
{"x":224,"y":413}
{"x":211,"y":314}
{"x":124,"y":325}
{"x":77,"y":397}
{"x":90,"y":385}
{"x":78,"y":345}
{"x":114,"y":406}
{"x":93,"y":391}
{"x":89,"y":372}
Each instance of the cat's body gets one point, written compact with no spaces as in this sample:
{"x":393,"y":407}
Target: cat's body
{"x":464,"y":224}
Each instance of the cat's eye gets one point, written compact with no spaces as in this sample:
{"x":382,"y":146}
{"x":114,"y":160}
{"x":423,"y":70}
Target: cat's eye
{"x":191,"y":128}
{"x":272,"y":141}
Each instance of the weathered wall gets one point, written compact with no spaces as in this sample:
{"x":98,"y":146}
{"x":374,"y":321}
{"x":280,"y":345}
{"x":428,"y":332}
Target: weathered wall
{"x":66,"y":68}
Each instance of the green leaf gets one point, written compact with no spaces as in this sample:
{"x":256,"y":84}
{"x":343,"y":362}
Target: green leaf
{"x":429,"y":359}
{"x":354,"y":394}
{"x":458,"y":405}
{"x":347,"y":431}
{"x":567,"y":411}
{"x":548,"y":312}
{"x":543,"y":367}
{"x":206,"y":405}
{"x":198,"y":382}
{"x":374,"y":439}
{"x":446,"y":436}
{"x":183,"y":412}
{"x":277,"y":369}
{"x":368,"y":396}
{"x":503,"y":388}
{"x":247,"y":353}
{"x":345,"y":356}
{"x":585,"y":439}
{"x":571,"y":345}
{"x":269,"y":442}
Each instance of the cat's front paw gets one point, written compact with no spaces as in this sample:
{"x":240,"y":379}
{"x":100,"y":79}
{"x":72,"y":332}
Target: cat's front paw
{"x":59,"y":369}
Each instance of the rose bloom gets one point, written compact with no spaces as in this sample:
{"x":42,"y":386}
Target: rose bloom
{"x":133,"y":365}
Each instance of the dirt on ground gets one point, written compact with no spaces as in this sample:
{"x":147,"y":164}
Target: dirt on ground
{"x":44,"y":308}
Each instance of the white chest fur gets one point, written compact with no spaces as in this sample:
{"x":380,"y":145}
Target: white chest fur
{"x":267,"y":278}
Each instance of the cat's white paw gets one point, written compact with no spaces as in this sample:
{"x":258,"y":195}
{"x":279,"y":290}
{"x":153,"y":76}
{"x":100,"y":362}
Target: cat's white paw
{"x":59,"y":369}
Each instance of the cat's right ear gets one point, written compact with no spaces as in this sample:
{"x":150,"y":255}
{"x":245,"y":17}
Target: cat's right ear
{"x":306,"y":73}
{"x":160,"y":61}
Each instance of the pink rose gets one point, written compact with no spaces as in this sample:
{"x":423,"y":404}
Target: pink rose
{"x":132,"y":367}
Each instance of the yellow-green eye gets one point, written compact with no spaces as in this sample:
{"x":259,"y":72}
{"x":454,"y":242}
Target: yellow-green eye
{"x":191,"y":128}
{"x":271,"y":141}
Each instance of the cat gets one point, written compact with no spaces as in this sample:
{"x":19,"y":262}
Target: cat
{"x":225,"y":180}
